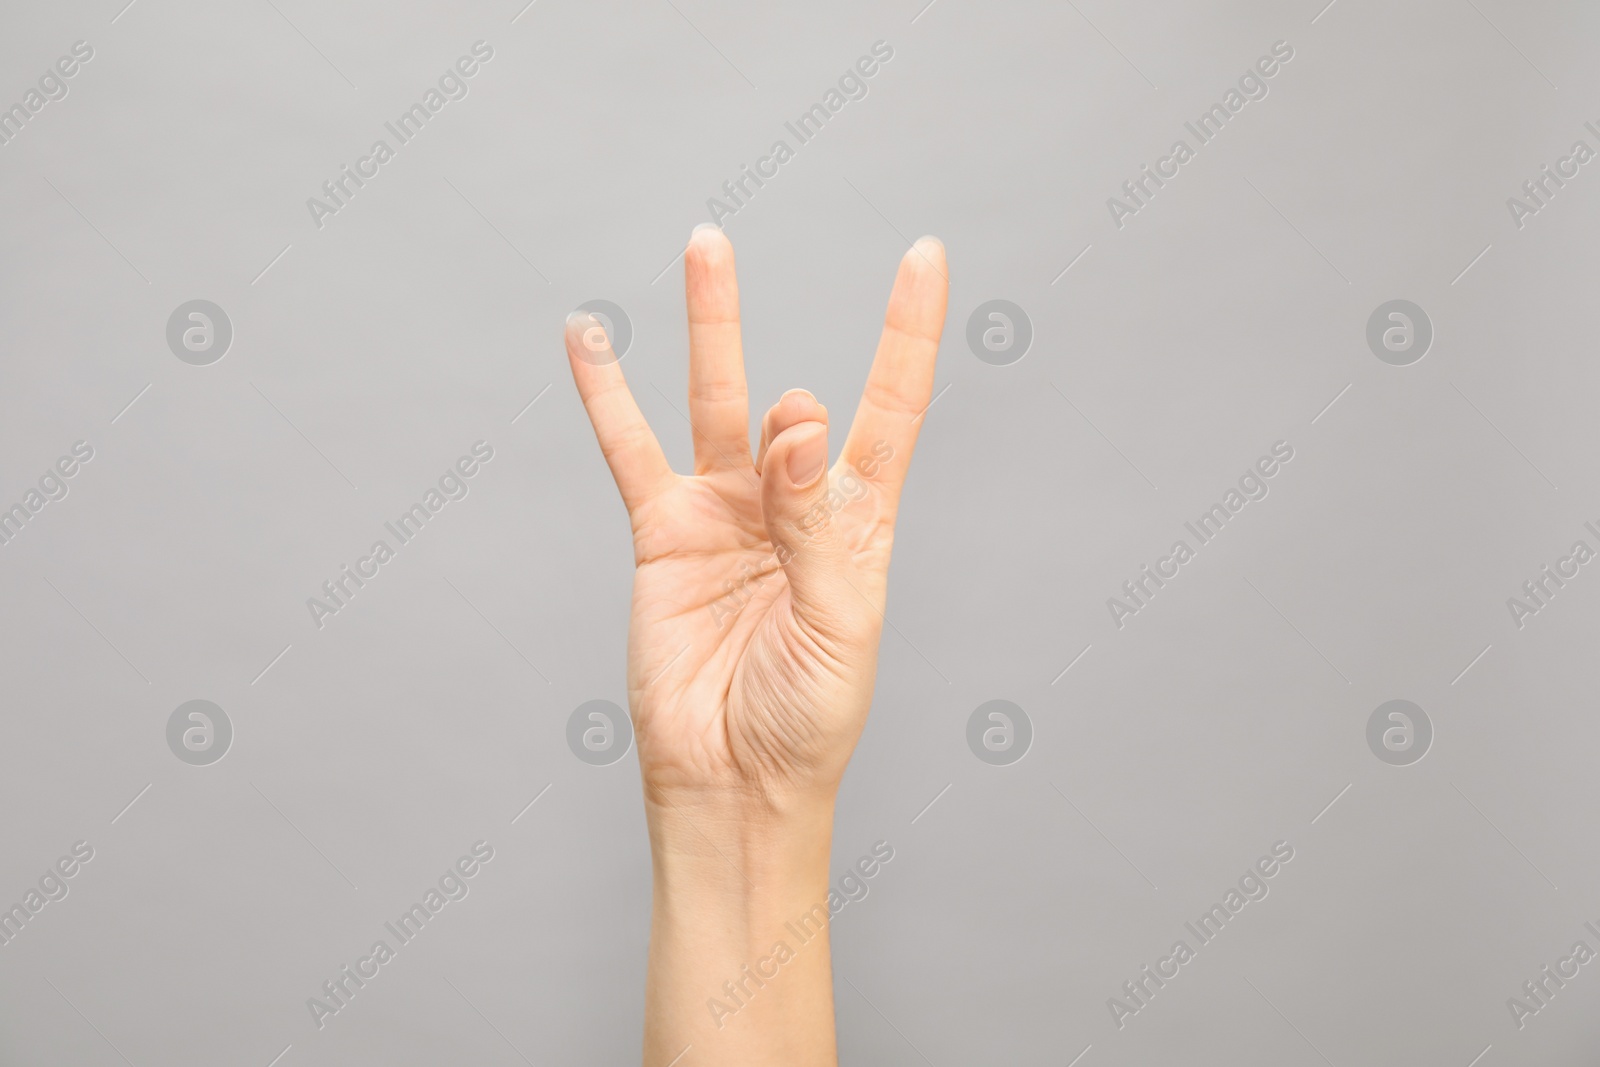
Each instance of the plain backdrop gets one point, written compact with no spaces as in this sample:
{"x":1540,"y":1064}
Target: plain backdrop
{"x":1169,"y":353}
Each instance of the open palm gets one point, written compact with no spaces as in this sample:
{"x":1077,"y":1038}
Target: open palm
{"x":760,"y":583}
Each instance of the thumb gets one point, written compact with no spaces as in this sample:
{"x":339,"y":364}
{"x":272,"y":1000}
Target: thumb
{"x":799,"y":518}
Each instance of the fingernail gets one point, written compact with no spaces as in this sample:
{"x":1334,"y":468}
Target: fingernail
{"x":808,"y":456}
{"x":705,"y":226}
{"x":789,"y":392}
{"x":929,"y":238}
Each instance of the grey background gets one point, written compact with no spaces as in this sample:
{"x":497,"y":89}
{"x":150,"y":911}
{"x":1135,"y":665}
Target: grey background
{"x":370,"y":354}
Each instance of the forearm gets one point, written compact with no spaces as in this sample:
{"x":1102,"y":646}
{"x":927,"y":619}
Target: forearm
{"x":739,"y":958}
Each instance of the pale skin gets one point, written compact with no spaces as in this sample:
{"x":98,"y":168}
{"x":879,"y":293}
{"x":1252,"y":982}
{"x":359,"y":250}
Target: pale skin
{"x":758,"y":599}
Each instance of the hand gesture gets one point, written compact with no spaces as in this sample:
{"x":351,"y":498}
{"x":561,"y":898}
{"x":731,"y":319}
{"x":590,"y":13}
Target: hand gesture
{"x":760,"y":584}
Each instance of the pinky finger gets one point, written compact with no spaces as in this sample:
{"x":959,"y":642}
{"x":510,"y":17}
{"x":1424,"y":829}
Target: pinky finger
{"x":626,"y":440}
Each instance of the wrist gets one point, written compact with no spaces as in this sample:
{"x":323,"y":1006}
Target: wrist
{"x":739,"y":857}
{"x":739,"y":955}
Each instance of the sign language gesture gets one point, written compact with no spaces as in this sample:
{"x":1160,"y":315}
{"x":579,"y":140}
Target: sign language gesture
{"x":758,"y":599}
{"x":760,"y":583}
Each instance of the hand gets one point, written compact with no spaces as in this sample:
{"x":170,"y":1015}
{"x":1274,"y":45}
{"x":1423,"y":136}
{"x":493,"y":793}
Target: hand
{"x":757,"y":603}
{"x":760,"y":583}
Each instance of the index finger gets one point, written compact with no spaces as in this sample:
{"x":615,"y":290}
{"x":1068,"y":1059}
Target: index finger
{"x":900,"y":384}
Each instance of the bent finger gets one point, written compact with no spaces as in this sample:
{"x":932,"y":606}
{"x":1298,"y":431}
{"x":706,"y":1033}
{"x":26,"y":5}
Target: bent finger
{"x":794,"y":406}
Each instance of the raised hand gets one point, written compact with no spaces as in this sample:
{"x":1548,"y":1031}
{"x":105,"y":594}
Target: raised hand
{"x":760,"y":583}
{"x":757,"y":604}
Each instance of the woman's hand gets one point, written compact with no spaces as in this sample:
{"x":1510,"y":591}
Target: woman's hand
{"x":757,"y":604}
{"x":760,"y":587}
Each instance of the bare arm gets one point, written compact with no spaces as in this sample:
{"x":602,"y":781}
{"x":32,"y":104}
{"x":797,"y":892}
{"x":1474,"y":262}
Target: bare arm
{"x":758,"y":599}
